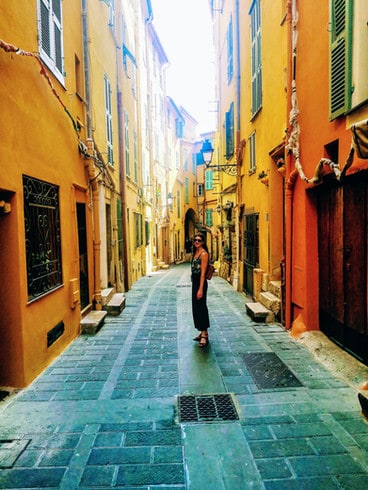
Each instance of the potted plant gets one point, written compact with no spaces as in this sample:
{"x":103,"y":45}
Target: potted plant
{"x":263,"y":177}
{"x":280,"y":164}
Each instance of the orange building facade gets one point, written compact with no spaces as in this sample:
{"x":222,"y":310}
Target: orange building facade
{"x":326,"y":202}
{"x":293,"y":104}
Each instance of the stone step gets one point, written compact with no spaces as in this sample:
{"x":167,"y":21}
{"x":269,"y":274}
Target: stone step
{"x":258,"y":312}
{"x":116,"y":304}
{"x":270,"y":301}
{"x":92,"y":322}
{"x":274,"y":287}
{"x":106,"y":295}
{"x":162,"y":265}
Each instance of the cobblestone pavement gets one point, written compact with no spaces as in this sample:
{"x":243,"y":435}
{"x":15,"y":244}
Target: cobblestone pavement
{"x":105,"y":413}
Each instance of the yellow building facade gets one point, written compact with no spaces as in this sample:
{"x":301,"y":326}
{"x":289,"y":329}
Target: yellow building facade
{"x":86,"y":174}
{"x":250,"y":137}
{"x":46,"y":183}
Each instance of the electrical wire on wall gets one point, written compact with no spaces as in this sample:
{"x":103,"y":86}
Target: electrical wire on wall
{"x":98,"y":160}
{"x":294,"y":135}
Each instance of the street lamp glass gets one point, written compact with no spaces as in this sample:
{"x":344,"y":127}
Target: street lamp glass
{"x":207,"y":152}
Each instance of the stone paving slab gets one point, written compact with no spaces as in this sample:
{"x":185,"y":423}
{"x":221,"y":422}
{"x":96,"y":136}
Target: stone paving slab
{"x":104,"y":414}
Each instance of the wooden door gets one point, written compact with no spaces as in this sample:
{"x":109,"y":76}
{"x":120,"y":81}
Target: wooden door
{"x":251,"y":258}
{"x":342,"y":243}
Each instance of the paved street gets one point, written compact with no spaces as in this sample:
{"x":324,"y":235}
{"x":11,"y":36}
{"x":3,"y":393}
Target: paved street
{"x":108,"y":412}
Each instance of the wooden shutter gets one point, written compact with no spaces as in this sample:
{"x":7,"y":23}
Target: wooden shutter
{"x":340,"y":58}
{"x":45,"y":28}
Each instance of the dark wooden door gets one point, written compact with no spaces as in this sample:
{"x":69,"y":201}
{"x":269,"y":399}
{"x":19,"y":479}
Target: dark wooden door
{"x":342,"y":239}
{"x":83,"y":256}
{"x":251,"y":251}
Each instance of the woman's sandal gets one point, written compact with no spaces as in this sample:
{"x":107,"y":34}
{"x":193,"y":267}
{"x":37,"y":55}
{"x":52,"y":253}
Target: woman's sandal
{"x":201,"y":343}
{"x":198,"y":338}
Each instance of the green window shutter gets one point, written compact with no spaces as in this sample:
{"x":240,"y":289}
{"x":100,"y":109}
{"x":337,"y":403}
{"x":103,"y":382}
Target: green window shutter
{"x":186,"y":190}
{"x":256,"y":58}
{"x":209,"y":180}
{"x":209,"y":220}
{"x":340,"y":58}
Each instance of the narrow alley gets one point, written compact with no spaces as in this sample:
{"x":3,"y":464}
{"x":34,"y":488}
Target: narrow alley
{"x":140,"y":405}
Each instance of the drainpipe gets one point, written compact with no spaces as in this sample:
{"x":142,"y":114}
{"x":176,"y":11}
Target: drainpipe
{"x":291,"y":174}
{"x":97,"y":299}
{"x":123,"y":187}
{"x":238,"y":144}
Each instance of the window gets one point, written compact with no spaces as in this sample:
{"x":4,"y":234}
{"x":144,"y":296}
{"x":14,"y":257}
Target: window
{"x":209,"y":180}
{"x":359,"y":89}
{"x":50,"y":34}
{"x":209,"y":220}
{"x":340,"y":57}
{"x":147,"y":230}
{"x":200,"y":190}
{"x":186,"y":190}
{"x":194,"y":167}
{"x":78,"y":77}
{"x":112,"y":14}
{"x":43,"y":236}
{"x":186,"y":164}
{"x":252,"y":153}
{"x":157,"y":147}
{"x":126,"y":143}
{"x":168,"y":118}
{"x":135,"y":156}
{"x":108,"y":119}
{"x":256,"y":60}
{"x":179,"y":128}
{"x":138,"y":230}
{"x":178,"y":204}
{"x":229,"y":130}
{"x":230,"y":52}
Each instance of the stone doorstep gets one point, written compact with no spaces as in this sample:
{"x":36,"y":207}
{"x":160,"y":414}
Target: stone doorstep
{"x":258,"y":312}
{"x":92,"y":322}
{"x":116,"y":304}
{"x":274,"y":287}
{"x":270,"y":301}
{"x":106,"y":295}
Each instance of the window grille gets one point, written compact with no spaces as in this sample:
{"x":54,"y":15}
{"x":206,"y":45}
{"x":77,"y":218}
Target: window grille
{"x":43,"y":236}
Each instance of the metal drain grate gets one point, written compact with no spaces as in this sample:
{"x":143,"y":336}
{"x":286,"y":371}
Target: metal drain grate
{"x":206,"y":408}
{"x":269,"y":372}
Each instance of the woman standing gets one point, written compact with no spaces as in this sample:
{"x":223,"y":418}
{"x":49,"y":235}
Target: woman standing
{"x":200,"y":259}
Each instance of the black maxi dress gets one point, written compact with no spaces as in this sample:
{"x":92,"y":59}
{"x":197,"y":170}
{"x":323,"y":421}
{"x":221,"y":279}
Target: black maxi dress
{"x":199,"y":306}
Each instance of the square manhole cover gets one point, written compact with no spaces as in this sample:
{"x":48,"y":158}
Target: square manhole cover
{"x":268,"y":371}
{"x":206,"y":408}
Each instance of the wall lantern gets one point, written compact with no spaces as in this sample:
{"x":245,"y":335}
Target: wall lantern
{"x":169,"y":199}
{"x":207,"y":154}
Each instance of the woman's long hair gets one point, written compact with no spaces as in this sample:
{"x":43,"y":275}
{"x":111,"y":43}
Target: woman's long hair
{"x":204,"y":244}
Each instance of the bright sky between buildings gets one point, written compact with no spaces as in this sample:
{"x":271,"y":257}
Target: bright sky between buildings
{"x":185,"y":32}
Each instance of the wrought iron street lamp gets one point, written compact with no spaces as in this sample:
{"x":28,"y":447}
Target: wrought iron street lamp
{"x":207,"y":154}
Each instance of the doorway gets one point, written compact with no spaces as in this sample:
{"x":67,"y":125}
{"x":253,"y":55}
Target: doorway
{"x":83,"y":256}
{"x":342,"y":248}
{"x":251,"y":251}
